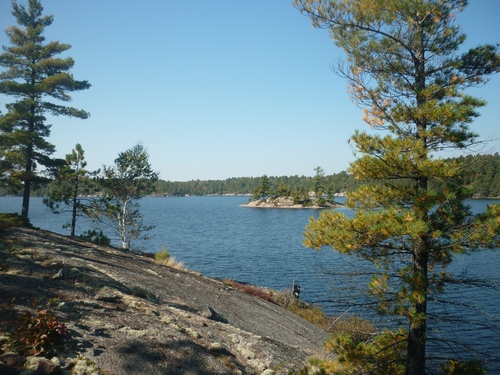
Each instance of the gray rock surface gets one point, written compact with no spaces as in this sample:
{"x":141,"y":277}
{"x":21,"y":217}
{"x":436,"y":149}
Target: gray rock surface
{"x":128,"y":315}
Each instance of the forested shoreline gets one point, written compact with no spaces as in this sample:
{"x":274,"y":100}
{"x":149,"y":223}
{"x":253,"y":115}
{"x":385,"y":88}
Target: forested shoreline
{"x":483,"y":177}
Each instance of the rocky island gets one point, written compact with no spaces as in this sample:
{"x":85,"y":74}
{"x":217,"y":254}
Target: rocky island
{"x":123,"y":313}
{"x":288,"y":202}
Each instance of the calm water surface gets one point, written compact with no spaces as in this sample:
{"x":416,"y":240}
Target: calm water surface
{"x":217,"y":237}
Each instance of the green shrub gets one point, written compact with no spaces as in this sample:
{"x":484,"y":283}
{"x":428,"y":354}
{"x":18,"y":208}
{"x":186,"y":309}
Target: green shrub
{"x":162,"y":256}
{"x":95,"y":237}
{"x":10,"y":220}
{"x":470,"y":367}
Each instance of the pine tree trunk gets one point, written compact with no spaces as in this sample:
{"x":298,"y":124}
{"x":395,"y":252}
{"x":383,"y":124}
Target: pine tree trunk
{"x":28,"y":169}
{"x":417,"y":332}
{"x":26,"y":199}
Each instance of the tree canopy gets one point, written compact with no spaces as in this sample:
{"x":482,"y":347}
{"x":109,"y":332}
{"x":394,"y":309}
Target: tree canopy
{"x":121,"y":186}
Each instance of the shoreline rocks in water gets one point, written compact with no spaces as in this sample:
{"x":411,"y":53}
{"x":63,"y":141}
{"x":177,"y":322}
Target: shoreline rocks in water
{"x":126,"y":314}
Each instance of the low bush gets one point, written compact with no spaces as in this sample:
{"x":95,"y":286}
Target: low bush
{"x":38,"y":332}
{"x":96,"y":237}
{"x":359,"y":329}
{"x":284,"y":298}
{"x":162,"y":256}
{"x":313,"y":314}
{"x":11,"y":220}
{"x":469,"y":367}
{"x":253,"y":290}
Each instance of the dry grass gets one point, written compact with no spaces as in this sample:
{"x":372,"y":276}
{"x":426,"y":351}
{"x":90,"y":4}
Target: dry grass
{"x":284,"y":298}
{"x":359,"y":329}
{"x":164,"y":258}
{"x":262,"y":293}
{"x":173,"y":263}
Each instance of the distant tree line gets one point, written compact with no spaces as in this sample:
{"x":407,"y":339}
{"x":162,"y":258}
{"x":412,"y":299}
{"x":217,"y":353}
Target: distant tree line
{"x":339,"y":182}
{"x":484,"y":174}
{"x":483,"y":177}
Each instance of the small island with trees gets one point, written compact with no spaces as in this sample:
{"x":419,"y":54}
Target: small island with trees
{"x":283,"y":197}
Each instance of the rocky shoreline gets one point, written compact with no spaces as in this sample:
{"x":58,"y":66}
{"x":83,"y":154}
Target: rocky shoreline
{"x":126,"y":314}
{"x":287,"y":202}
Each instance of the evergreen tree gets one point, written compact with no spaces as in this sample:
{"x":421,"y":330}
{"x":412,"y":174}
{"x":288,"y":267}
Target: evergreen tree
{"x":403,"y":67}
{"x":282,"y":190}
{"x":33,"y":74}
{"x":72,"y":180}
{"x":300,"y":196}
{"x":123,"y":184}
{"x":318,"y":184}
{"x":262,"y":191}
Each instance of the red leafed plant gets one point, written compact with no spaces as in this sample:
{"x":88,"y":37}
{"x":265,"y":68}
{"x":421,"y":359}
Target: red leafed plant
{"x":37,"y":332}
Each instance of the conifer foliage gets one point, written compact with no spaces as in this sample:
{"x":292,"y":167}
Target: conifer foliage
{"x":404,"y":69}
{"x":70,"y":187}
{"x":33,"y":75}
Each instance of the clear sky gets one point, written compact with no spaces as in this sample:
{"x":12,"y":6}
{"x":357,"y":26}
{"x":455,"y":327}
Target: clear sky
{"x":218,"y":89}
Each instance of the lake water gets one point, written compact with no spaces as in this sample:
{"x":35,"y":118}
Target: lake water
{"x":219,"y":238}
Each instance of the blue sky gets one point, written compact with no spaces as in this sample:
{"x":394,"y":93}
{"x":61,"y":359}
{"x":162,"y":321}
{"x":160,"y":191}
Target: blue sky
{"x":218,"y":89}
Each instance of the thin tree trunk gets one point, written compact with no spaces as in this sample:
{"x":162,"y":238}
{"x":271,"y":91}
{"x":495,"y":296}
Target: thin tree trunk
{"x":26,"y":198}
{"x":123,"y":227}
{"x":75,"y":202}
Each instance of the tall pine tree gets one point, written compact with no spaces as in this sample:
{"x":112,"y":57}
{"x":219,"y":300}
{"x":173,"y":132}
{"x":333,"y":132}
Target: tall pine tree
{"x":33,"y":75}
{"x":404,"y":68}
